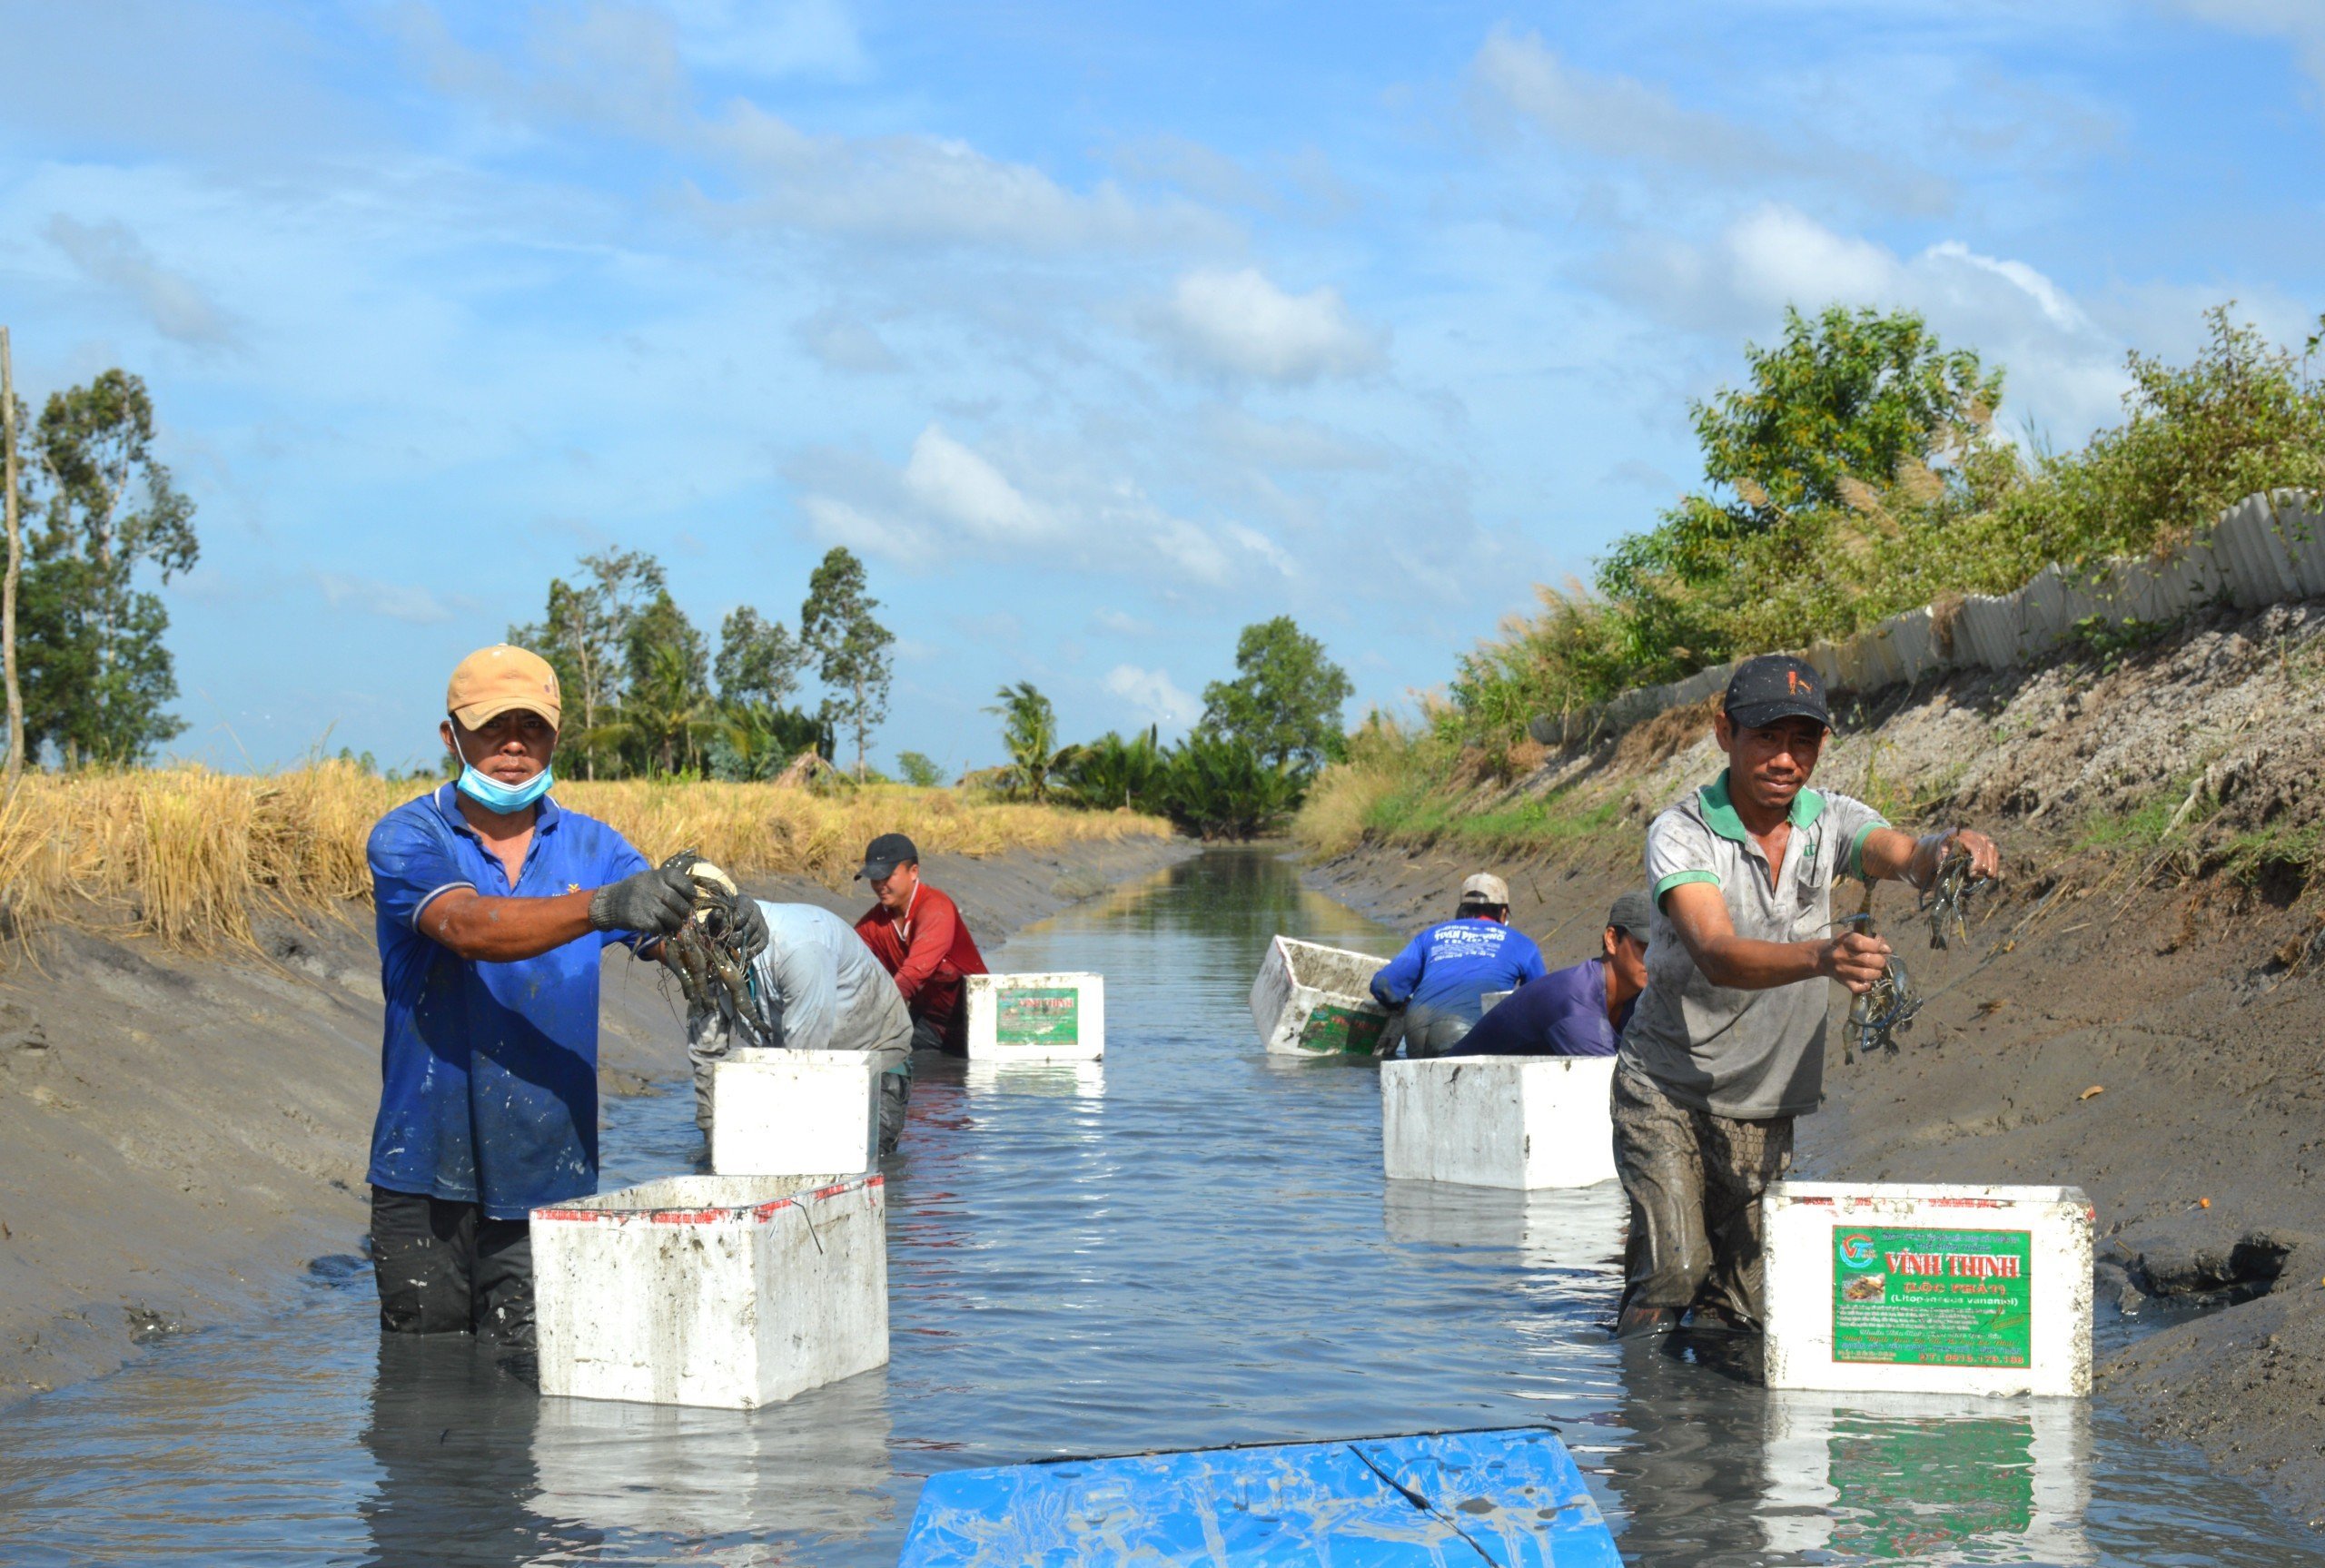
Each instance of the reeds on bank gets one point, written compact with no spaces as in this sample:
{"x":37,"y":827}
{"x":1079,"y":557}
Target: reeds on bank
{"x":191,"y":856}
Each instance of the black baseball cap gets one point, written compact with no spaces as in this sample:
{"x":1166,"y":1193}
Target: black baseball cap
{"x":883,"y":854}
{"x":1775,"y":686}
{"x":1631,"y":914}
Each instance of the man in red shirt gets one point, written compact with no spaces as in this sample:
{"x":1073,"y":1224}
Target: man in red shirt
{"x":919,"y":937}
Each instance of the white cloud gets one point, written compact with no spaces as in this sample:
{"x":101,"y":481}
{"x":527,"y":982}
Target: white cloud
{"x":1621,"y":118}
{"x":2301,"y":23}
{"x":2063,"y":368}
{"x":369,"y":596}
{"x":108,"y":253}
{"x":1153,"y":695}
{"x":1778,"y":255}
{"x":1048,"y":505}
{"x":770,"y":39}
{"x":1241,"y":324}
{"x":1120,"y":624}
{"x":958,"y":485}
{"x":930,"y":189}
{"x":840,"y":342}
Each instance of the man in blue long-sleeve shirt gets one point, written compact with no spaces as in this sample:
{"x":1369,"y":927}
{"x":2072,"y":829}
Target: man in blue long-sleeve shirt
{"x":1441,"y":977}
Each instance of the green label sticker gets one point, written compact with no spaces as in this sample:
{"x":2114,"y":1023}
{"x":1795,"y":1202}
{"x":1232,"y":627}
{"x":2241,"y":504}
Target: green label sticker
{"x":1342,"y":1029}
{"x":1917,"y":1298}
{"x":1038,"y":1015}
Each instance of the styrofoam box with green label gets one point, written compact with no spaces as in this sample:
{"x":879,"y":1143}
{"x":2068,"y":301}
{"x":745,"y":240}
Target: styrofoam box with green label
{"x":1883,"y":1287}
{"x":1036,"y":1017}
{"x":1512,"y":1121}
{"x":1311,"y":999}
{"x":793,"y":1112}
{"x":731,"y":1291}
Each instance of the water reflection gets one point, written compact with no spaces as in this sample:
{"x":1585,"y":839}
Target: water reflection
{"x":1571,"y":1238}
{"x":451,"y":1427}
{"x":715,"y":1476}
{"x":1930,"y":1480}
{"x":1079,"y":1079}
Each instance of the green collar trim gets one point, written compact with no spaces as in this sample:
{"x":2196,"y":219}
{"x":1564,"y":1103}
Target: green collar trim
{"x":1719,"y":810}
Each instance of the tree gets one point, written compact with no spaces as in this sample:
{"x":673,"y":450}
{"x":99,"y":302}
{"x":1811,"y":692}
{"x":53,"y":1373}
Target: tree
{"x":1844,"y":407}
{"x":758,"y":660}
{"x":851,"y":648}
{"x":1285,"y":700}
{"x":1112,"y":774}
{"x":98,"y":675}
{"x":667,"y":706}
{"x":1220,"y":787}
{"x":585,"y":634}
{"x":1029,"y":734}
{"x":920,"y":770}
{"x":11,"y":419}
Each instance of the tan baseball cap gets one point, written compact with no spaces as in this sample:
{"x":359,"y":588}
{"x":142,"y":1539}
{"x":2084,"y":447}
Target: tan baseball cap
{"x":1486,"y":888}
{"x":491,"y":681}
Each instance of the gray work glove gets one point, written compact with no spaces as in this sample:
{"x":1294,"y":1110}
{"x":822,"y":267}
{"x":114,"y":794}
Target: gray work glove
{"x":656,"y":901}
{"x":751,"y":926}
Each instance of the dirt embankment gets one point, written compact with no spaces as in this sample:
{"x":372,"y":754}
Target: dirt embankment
{"x":2152,"y":1028}
{"x":179,"y":1135}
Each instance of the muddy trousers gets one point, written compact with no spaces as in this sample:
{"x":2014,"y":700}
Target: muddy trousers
{"x":1431,"y":1034}
{"x":1694,"y":1182}
{"x":443,"y":1269}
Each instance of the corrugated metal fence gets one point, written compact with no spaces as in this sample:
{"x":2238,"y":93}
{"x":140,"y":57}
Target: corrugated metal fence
{"x":2265,"y":549}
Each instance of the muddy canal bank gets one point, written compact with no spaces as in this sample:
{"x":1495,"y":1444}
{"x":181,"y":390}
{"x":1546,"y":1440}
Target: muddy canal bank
{"x":2200,"y":1152}
{"x":179,"y":1135}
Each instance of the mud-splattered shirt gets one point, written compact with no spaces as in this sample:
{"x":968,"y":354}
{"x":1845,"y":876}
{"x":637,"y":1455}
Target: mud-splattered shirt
{"x":489,"y":1071}
{"x":1746,"y":1054}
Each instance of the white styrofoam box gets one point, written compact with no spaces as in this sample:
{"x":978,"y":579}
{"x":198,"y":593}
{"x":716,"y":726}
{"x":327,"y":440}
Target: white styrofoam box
{"x":1311,"y":999}
{"x":1036,"y":1017}
{"x":735,"y":1291}
{"x":1854,"y":1479}
{"x":671,"y":1470}
{"x":1056,"y":1079}
{"x":1977,"y":1290}
{"x":793,"y":1112}
{"x":1516,"y":1122}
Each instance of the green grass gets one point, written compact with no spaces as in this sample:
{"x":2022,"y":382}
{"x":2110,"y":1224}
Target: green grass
{"x":1426,"y":816}
{"x":2138,"y":830}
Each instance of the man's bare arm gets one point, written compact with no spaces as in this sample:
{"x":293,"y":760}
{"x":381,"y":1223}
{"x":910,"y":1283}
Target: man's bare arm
{"x":504,"y":930}
{"x":1892,"y":855}
{"x":1700,"y":913}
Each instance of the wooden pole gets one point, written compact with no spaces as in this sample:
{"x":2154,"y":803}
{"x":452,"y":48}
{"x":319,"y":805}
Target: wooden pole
{"x":15,"y":561}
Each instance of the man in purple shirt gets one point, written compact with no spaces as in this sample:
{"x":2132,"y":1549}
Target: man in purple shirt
{"x":1575,"y":1011}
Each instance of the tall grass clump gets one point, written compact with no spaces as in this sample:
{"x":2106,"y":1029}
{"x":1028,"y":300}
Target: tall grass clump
{"x":191,"y":856}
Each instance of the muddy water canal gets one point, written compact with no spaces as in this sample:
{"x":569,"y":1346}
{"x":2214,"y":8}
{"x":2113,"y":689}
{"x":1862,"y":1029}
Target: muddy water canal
{"x":1191,"y":1245}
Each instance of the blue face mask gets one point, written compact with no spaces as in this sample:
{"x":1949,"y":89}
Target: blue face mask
{"x":491,"y":793}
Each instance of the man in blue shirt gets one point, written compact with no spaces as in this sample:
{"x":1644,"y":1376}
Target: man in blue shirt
{"x":1575,"y":1011}
{"x":493,"y":905}
{"x":1441,"y":977}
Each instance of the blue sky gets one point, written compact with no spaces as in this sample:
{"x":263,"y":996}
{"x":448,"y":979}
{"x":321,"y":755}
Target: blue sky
{"x":1098,"y":329}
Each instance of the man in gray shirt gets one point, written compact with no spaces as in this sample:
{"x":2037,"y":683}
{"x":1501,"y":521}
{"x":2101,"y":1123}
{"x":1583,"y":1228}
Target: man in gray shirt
{"x":821,"y":990}
{"x":1727,"y":1044}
